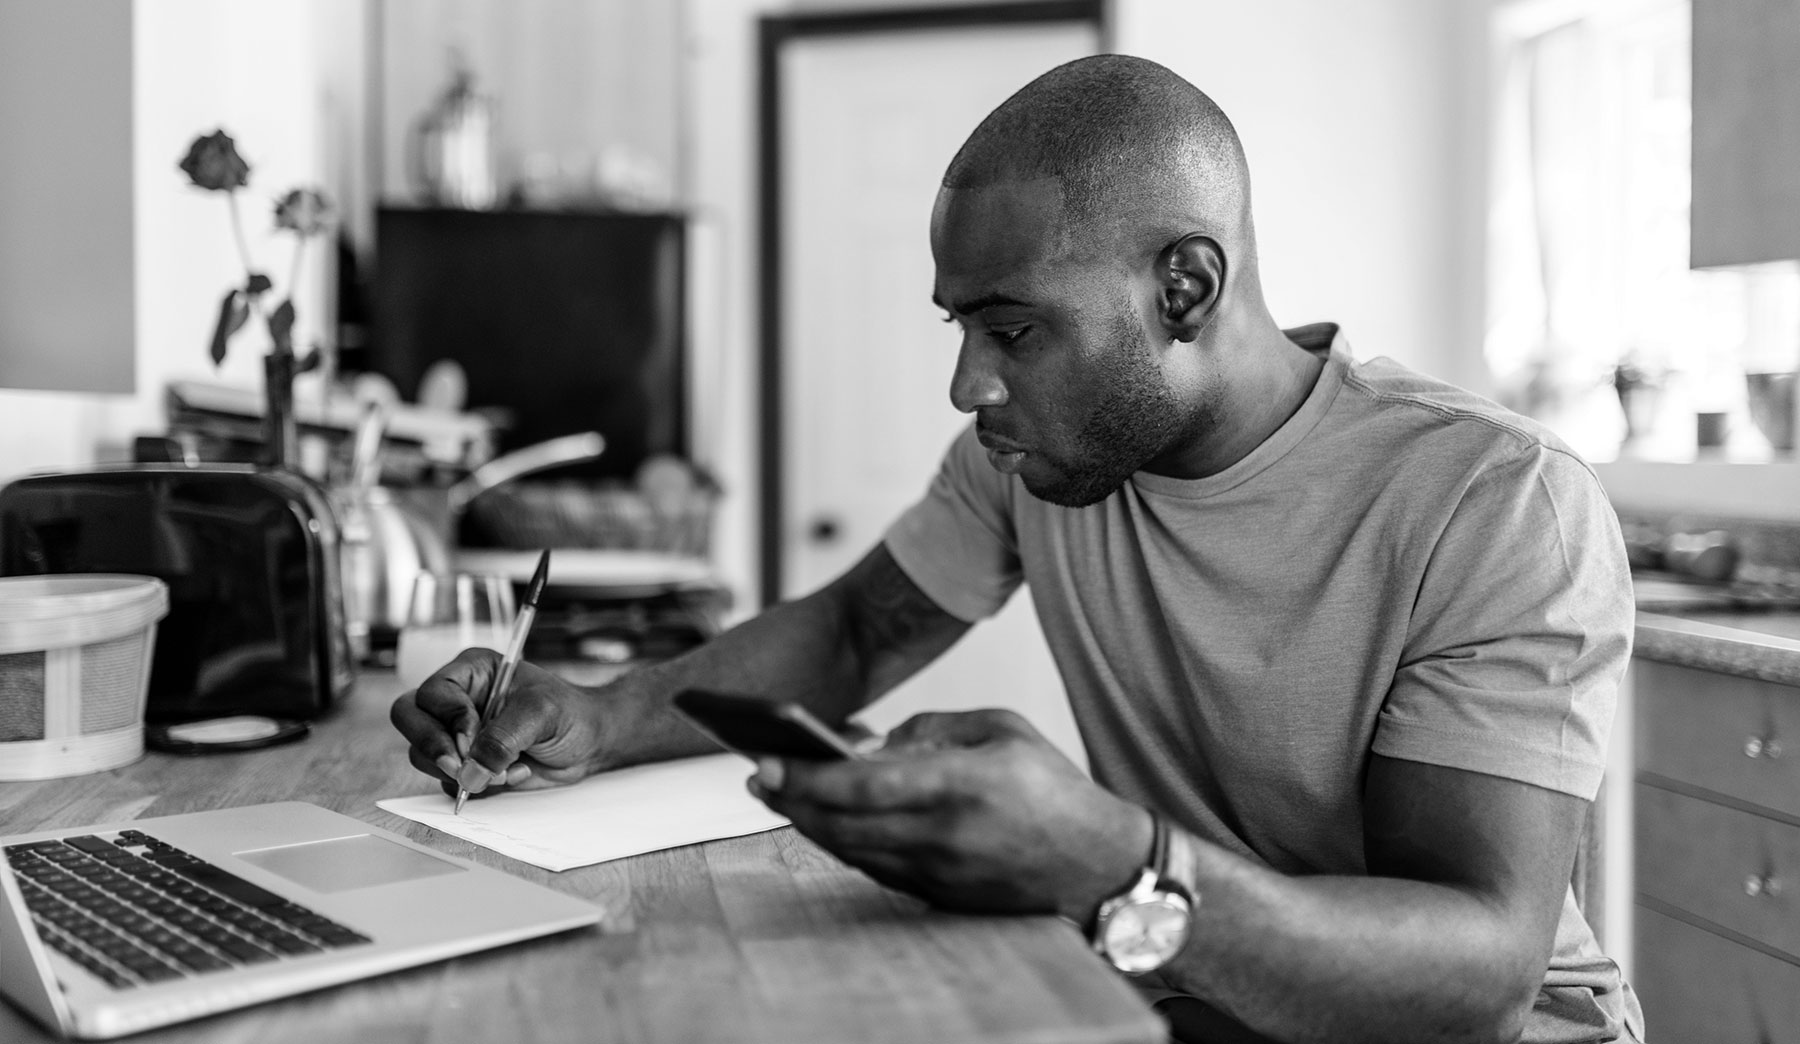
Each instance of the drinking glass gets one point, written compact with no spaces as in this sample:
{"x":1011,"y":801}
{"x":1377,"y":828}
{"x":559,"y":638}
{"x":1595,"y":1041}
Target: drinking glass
{"x":448,"y":613}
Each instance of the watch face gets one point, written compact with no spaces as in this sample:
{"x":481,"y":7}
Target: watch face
{"x":1143,"y":936}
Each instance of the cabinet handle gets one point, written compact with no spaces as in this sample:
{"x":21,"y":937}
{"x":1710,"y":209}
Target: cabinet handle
{"x":1762,"y":747}
{"x":1762,"y":885}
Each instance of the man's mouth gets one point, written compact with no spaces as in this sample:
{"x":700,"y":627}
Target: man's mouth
{"x":1005,"y":455}
{"x":996,"y":443}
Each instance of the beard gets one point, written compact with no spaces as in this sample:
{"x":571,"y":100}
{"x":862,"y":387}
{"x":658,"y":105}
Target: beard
{"x":1133,"y":419}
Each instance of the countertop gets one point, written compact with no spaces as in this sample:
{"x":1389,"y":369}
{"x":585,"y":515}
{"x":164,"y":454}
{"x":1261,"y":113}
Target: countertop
{"x":1761,"y":644}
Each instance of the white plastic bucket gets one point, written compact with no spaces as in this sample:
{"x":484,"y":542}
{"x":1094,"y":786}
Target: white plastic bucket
{"x":75,"y":653}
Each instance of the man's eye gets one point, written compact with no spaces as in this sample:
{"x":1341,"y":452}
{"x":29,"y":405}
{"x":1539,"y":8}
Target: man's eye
{"x":1007,"y":336}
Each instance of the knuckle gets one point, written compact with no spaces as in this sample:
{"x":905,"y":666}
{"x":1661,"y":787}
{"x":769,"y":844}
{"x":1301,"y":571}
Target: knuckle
{"x":882,"y":787}
{"x":1006,"y":718}
{"x":498,"y":743}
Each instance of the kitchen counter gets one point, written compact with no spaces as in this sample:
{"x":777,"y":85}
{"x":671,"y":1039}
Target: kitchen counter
{"x":1751,"y":644}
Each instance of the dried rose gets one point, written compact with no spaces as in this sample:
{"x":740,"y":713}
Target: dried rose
{"x":213,"y":163}
{"x":305,"y":210}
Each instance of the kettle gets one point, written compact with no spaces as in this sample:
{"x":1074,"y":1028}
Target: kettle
{"x":388,"y":537}
{"x":452,"y":149}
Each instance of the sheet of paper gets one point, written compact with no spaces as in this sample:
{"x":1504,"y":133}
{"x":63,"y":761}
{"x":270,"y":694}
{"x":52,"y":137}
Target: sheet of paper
{"x":607,"y":816}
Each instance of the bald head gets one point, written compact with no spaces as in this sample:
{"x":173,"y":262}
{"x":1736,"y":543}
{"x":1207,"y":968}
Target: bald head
{"x":1135,"y":149}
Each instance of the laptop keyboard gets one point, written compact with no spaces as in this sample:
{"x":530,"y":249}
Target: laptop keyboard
{"x":134,"y":910}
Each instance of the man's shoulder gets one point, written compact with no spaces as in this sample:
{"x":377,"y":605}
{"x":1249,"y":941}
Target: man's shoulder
{"x":1440,"y":418}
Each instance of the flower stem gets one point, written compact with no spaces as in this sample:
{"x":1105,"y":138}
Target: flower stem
{"x":294,"y":270}
{"x":243,"y":246}
{"x":237,"y":232}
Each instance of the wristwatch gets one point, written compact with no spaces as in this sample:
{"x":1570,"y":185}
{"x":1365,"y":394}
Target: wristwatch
{"x":1142,"y":928}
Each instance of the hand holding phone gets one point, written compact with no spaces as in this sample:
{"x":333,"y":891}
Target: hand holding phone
{"x":757,"y":726}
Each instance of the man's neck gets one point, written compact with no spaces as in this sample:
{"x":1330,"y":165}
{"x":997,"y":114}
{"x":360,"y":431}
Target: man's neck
{"x":1262,"y":378}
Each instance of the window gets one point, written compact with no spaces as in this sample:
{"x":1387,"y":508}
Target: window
{"x":1596,"y":325}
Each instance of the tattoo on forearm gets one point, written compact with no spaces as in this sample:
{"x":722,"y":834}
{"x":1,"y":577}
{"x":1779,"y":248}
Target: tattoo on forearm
{"x":894,"y":624}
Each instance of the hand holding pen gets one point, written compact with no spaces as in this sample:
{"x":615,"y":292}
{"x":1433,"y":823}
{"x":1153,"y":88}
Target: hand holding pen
{"x":509,"y":663}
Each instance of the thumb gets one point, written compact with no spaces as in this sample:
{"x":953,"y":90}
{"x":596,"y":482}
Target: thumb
{"x":498,"y":744}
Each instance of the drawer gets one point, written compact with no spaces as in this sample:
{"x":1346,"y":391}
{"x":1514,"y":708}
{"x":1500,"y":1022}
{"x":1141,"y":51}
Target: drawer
{"x":1735,"y":869}
{"x":1696,"y":986}
{"x":1737,"y":736}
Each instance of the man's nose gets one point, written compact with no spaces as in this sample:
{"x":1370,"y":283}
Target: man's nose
{"x":975,"y":383}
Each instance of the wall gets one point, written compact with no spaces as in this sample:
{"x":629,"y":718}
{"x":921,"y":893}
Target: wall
{"x":267,"y":72}
{"x":575,"y":83}
{"x":1363,"y":127}
{"x":65,"y":196}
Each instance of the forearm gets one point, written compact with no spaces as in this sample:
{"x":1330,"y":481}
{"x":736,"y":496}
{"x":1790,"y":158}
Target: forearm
{"x":833,"y":651}
{"x":1344,"y":959}
{"x":797,"y":650}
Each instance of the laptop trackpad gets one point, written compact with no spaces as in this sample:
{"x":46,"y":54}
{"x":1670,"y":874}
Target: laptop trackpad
{"x":343,"y":863}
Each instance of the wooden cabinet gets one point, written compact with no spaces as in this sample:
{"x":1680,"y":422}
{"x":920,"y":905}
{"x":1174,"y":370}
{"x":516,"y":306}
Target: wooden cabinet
{"x":1717,"y":855}
{"x":1703,"y":987}
{"x":1746,"y":132}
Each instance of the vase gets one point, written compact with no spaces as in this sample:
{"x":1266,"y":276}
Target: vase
{"x":281,"y":440}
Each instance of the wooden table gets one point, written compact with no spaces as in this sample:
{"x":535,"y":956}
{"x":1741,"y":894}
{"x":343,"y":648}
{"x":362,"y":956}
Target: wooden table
{"x":763,"y":938}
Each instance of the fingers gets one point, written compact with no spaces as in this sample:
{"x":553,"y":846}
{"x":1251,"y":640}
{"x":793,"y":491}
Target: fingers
{"x":865,"y":786}
{"x":516,"y":777}
{"x":531,"y":719}
{"x":510,"y":777}
{"x":440,"y":717}
{"x":940,"y":730}
{"x":843,"y":830}
{"x":435,"y":748}
{"x":455,"y":693}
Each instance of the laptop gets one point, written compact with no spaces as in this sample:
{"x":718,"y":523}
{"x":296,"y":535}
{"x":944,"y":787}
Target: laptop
{"x":110,"y":930}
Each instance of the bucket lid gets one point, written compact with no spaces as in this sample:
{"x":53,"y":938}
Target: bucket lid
{"x":70,"y":594}
{"x":38,"y":612}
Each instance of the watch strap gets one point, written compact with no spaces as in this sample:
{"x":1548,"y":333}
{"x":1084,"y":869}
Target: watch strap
{"x":1178,"y":864}
{"x":1159,"y":846}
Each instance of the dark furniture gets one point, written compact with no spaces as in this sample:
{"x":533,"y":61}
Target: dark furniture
{"x":564,"y":321}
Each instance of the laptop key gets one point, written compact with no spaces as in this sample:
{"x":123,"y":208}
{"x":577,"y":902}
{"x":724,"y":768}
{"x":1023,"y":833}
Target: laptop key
{"x":290,"y":944}
{"x":89,"y":843}
{"x":231,"y":885}
{"x":244,"y":951}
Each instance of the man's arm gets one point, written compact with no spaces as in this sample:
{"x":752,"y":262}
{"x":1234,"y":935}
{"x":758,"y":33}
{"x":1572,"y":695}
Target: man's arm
{"x":1446,"y":940}
{"x":833,"y":650}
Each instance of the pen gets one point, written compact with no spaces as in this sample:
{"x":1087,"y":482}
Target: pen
{"x":515,"y":650}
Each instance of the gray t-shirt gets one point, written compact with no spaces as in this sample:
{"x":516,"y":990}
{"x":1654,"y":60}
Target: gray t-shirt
{"x":1403,"y":567}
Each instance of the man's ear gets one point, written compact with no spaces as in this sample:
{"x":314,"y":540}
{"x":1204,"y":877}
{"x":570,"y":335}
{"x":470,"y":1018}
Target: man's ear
{"x":1191,"y":273}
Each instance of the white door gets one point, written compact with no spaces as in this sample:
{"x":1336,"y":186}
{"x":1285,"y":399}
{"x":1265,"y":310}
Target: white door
{"x":870,"y":122}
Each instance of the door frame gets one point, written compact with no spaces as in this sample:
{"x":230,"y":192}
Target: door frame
{"x":775,"y":32}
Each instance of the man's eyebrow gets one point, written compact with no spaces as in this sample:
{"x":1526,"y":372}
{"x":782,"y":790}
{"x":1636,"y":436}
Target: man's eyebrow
{"x":976,"y":304}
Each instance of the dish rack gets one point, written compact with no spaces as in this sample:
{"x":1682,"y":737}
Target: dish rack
{"x":574,"y":513}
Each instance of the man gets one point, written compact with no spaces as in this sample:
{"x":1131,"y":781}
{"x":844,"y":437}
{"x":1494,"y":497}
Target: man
{"x":1342,"y":641}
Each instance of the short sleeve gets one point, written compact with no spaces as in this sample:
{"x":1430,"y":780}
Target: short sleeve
{"x":1520,"y":633}
{"x":958,"y":543}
